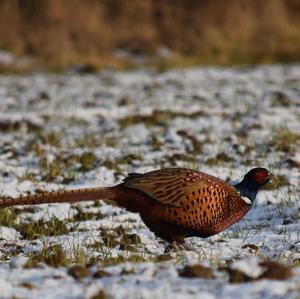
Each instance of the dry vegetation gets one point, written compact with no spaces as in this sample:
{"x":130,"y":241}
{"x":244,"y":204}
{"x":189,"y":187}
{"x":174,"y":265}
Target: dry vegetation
{"x":60,"y":33}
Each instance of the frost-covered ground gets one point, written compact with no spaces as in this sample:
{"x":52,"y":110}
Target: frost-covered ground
{"x":69,"y":131}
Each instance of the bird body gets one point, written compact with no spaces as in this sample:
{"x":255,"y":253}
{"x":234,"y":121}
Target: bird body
{"x":174,"y":203}
{"x":187,"y":203}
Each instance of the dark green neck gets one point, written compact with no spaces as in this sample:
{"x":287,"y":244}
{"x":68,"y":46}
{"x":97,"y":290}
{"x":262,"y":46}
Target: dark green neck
{"x":247,"y":189}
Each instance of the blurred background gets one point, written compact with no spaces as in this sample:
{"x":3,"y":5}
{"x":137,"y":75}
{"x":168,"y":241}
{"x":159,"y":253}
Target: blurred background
{"x":55,"y":34}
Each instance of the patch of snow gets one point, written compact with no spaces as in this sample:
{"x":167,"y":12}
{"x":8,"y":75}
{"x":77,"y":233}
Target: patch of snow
{"x":9,"y":233}
{"x":238,"y":110}
{"x":249,"y":266}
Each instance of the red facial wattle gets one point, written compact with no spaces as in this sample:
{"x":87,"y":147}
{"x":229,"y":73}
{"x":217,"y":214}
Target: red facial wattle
{"x":261,"y":177}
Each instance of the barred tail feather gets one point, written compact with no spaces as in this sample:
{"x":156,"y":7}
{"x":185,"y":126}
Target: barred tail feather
{"x":73,"y":195}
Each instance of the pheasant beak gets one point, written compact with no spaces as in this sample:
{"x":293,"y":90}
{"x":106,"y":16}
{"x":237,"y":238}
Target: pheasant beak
{"x":269,"y":182}
{"x":270,"y":178}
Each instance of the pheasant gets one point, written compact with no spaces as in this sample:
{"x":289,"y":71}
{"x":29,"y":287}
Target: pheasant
{"x":174,"y":203}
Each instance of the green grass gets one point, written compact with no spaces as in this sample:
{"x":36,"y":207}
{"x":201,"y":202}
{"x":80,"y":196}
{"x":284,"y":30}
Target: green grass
{"x":31,"y":230}
{"x":219,"y":159}
{"x":157,"y":118}
{"x":51,"y":138}
{"x":82,"y":215}
{"x":65,"y":168}
{"x":53,"y":256}
{"x":8,"y":217}
{"x":285,"y":140}
{"x":100,"y":295}
{"x":88,"y":161}
{"x":276,"y":183}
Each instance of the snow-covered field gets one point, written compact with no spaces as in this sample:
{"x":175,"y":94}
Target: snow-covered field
{"x":71,"y":130}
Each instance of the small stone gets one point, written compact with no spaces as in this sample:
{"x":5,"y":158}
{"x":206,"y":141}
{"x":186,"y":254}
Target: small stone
{"x":287,"y":221}
{"x":127,"y":271}
{"x":275,"y":270}
{"x":101,"y":273}
{"x":250,"y":246}
{"x":237,"y":276}
{"x":199,"y":271}
{"x":99,"y":295}
{"x":268,"y":270}
{"x":27,"y":285}
{"x":293,"y":163}
{"x":164,"y":257}
{"x":79,"y":271}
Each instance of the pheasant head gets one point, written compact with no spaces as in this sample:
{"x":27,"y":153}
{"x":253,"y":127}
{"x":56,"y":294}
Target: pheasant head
{"x":252,"y":182}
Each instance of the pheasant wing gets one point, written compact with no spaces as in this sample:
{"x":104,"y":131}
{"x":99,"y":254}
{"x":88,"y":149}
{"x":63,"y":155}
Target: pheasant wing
{"x":171,"y":185}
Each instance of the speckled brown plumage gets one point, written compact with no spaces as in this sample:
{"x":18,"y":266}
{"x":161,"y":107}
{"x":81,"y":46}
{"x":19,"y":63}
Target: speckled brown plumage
{"x":174,"y":203}
{"x":188,"y":203}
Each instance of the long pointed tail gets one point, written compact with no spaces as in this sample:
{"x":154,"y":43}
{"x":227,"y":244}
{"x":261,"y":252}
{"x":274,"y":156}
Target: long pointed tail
{"x":74,"y":195}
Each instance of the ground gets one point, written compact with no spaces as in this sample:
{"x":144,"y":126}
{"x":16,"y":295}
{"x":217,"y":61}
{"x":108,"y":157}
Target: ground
{"x":73,"y":130}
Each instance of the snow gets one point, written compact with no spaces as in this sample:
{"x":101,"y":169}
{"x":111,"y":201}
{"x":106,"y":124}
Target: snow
{"x":240,"y":113}
{"x":9,"y":234}
{"x":249,"y":266}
